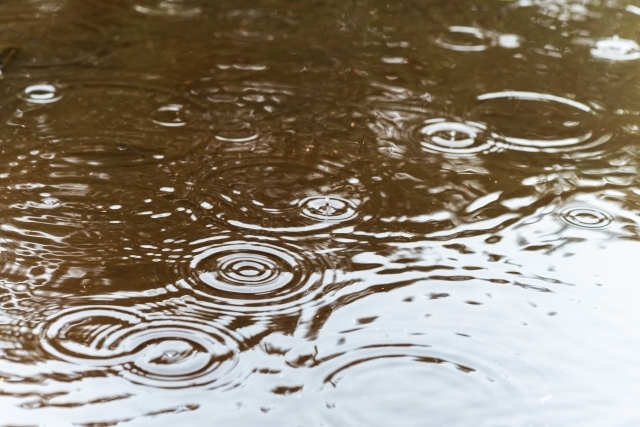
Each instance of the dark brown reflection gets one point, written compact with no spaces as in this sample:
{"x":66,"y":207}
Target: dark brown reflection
{"x":48,"y":40}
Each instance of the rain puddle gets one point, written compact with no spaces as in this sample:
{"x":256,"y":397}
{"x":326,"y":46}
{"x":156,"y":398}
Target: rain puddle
{"x":319,"y":213}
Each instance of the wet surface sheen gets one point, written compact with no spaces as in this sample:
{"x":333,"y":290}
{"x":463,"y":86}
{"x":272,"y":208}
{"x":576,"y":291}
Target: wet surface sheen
{"x":319,"y":213}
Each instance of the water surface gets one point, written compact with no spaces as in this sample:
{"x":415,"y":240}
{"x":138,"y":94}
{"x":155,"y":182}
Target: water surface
{"x":319,"y":213}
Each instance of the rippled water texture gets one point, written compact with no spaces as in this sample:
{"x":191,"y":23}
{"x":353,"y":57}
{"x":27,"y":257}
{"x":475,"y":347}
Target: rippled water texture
{"x":319,"y":213}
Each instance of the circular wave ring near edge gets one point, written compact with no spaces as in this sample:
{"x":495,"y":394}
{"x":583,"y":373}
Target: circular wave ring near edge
{"x":501,"y":111}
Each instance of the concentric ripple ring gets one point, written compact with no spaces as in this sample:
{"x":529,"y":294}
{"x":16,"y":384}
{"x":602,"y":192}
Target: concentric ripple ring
{"x":586,"y":217}
{"x":482,"y":39}
{"x":168,"y":353}
{"x":562,"y":124}
{"x":448,"y":137}
{"x":253,"y":277}
{"x":246,"y":267}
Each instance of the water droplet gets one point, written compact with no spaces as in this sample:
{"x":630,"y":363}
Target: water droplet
{"x":51,"y":202}
{"x":465,"y":39}
{"x":509,"y":41}
{"x":461,"y":138}
{"x":41,"y":94}
{"x":236,"y":132}
{"x":170,"y":116}
{"x":328,"y":208}
{"x":616,"y":49}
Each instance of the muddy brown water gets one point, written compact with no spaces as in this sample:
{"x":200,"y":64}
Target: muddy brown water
{"x":319,"y":213}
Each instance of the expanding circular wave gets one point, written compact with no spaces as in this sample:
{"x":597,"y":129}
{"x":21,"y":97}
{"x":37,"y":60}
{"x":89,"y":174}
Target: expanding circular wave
{"x":449,"y":137}
{"x":586,"y":217}
{"x":170,"y":353}
{"x":373,"y":344}
{"x":113,"y":106}
{"x":254,"y":276}
{"x":406,"y":126}
{"x":336,"y":366}
{"x":539,"y":122}
{"x":616,"y":49}
{"x":246,"y":268}
{"x":328,"y":208}
{"x":41,"y":94}
{"x":377,"y":373}
{"x":171,"y":115}
{"x":587,"y":20}
{"x":236,"y":132}
{"x":281,"y":196}
{"x":466,"y":39}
